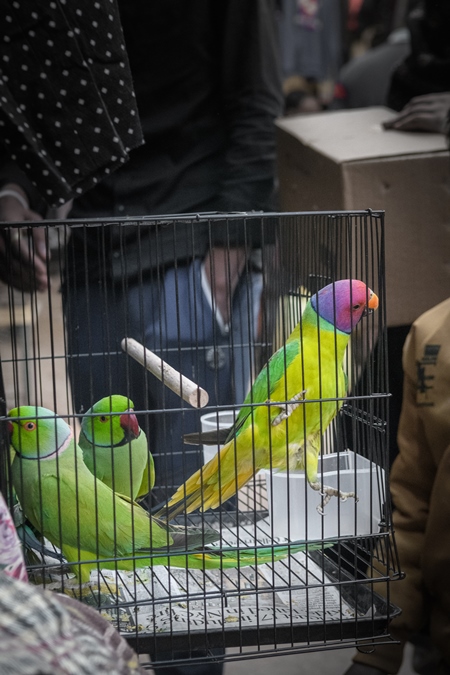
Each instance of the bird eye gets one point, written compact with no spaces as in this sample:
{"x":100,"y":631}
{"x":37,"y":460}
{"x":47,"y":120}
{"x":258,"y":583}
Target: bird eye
{"x":356,"y":306}
{"x":30,"y":426}
{"x":103,"y":418}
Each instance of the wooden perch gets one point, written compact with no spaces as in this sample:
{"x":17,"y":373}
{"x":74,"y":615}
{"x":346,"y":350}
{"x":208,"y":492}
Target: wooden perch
{"x":187,"y":390}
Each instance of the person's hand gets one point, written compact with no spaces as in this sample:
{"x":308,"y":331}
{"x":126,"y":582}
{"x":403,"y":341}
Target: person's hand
{"x":23,"y":252}
{"x":223,"y":267}
{"x":423,"y":113}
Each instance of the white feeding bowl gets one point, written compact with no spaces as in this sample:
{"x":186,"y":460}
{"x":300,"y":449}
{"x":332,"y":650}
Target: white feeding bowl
{"x":293,"y":503}
{"x":223,"y":419}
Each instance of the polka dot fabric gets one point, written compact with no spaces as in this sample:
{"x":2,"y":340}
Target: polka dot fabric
{"x":68,"y":114}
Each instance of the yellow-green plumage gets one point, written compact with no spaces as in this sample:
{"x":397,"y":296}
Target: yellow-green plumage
{"x":115,"y":449}
{"x":308,"y":366}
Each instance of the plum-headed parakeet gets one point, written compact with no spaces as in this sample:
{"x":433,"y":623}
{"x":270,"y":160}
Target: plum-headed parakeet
{"x":90,"y":522}
{"x":304,"y":379}
{"x":115,"y":448}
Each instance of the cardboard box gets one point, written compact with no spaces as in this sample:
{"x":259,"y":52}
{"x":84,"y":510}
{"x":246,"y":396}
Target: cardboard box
{"x":345,"y":161}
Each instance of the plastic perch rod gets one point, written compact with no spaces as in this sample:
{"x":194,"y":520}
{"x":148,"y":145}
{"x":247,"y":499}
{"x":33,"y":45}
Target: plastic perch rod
{"x":187,"y":390}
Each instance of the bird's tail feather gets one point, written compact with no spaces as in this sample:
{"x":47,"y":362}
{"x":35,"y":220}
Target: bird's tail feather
{"x":202,"y":559}
{"x":171,"y":510}
{"x":229,"y":558}
{"x":208,"y":488}
{"x":189,"y":496}
{"x":192,"y":537}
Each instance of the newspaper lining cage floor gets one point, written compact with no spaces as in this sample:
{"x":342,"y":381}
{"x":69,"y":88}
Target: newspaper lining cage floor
{"x":113,"y":283}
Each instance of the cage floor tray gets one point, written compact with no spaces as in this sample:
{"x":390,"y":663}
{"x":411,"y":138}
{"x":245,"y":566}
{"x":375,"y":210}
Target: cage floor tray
{"x":304,"y":597}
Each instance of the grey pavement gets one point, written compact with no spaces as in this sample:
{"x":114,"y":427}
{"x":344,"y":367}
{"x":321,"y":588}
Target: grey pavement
{"x":332,"y":662}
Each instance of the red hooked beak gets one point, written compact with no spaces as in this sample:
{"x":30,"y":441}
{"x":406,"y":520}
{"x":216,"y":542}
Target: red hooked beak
{"x":129,"y":423}
{"x":10,"y":428}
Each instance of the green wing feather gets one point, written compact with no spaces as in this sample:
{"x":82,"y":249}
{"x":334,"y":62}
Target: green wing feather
{"x":267,"y":381}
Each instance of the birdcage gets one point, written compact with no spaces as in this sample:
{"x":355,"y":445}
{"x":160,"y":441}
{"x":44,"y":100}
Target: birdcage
{"x":274,"y":567}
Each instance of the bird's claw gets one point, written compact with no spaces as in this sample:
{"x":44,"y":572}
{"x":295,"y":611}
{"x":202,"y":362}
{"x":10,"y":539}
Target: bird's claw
{"x":321,"y":507}
{"x":289,"y":408}
{"x":327,"y":492}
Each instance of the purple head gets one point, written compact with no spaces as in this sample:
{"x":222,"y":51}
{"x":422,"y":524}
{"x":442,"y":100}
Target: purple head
{"x":344,"y":302}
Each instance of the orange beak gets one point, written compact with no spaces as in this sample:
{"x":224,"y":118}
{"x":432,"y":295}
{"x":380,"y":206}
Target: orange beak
{"x":373,"y":301}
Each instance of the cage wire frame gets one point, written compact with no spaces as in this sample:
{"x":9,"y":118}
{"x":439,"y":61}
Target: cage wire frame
{"x":331,"y":595}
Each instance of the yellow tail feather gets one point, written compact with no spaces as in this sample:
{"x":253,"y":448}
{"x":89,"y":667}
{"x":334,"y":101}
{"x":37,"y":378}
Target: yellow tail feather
{"x":202,"y":488}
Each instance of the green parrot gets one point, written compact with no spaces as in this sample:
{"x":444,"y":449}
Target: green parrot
{"x":89,"y":522}
{"x":115,"y":448}
{"x":307,"y":373}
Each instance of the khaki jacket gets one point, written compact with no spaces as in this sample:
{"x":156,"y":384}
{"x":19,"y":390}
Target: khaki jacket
{"x":420,"y":488}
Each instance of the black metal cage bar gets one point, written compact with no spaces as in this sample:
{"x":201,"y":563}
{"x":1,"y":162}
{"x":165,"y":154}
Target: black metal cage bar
{"x":151,"y":280}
